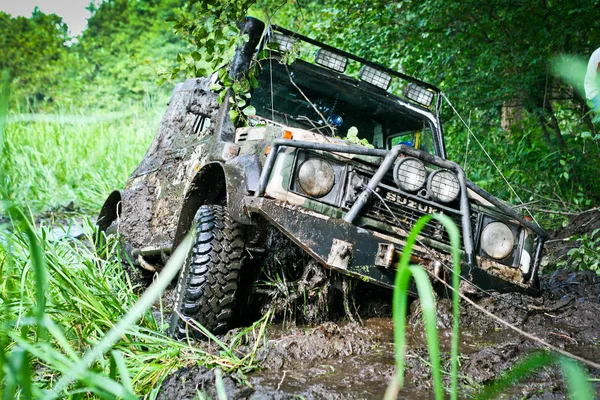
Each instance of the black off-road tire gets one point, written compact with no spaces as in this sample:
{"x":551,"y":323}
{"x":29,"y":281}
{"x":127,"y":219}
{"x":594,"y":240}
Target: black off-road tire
{"x":209,"y":279}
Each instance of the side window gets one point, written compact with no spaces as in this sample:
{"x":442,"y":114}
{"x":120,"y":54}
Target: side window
{"x":402,"y":138}
{"x":426,"y":139}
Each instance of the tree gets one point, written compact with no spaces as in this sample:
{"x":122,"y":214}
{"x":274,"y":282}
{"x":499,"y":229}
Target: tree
{"x":127,"y":44}
{"x":34,"y":52}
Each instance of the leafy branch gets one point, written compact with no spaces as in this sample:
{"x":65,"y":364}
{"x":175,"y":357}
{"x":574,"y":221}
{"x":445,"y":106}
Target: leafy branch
{"x":211,"y":28}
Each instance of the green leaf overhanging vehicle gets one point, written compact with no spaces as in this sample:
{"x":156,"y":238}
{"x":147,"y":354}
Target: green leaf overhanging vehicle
{"x":347,"y":205}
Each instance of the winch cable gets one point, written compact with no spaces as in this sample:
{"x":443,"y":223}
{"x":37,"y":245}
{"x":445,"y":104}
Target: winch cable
{"x":486,"y":312}
{"x":434,"y":256}
{"x":467,"y":147}
{"x":528,"y":335}
{"x":490,"y":158}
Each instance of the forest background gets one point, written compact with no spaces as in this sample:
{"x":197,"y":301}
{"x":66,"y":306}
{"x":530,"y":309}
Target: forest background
{"x":512,"y":70}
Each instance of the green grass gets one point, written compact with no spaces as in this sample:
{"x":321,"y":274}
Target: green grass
{"x":52,"y":160}
{"x":71,"y":324}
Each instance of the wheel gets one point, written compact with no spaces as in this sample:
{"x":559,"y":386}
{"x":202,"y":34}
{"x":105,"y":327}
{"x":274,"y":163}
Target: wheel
{"x":209,"y":279}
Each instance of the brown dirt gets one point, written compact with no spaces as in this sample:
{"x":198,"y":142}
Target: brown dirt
{"x":339,"y":359}
{"x":348,"y":360}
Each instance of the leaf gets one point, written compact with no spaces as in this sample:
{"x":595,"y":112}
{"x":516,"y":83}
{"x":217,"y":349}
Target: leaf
{"x":250,"y":110}
{"x":216,"y":87}
{"x":233,"y":114}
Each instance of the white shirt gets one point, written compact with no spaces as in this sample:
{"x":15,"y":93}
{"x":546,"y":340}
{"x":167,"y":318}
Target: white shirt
{"x":591,"y":76}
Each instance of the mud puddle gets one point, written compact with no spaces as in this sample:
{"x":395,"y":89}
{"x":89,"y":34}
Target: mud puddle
{"x":343,"y":360}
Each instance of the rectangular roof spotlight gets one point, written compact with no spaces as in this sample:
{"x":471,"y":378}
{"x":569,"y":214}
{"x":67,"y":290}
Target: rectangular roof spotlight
{"x":419,"y":94}
{"x":331,"y":60}
{"x":286,"y":43}
{"x":375,"y":77}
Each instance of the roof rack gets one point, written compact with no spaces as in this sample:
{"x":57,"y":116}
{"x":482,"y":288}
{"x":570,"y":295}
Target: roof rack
{"x":392,"y":82}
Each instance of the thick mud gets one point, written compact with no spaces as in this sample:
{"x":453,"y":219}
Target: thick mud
{"x":351,"y":360}
{"x":339,"y":360}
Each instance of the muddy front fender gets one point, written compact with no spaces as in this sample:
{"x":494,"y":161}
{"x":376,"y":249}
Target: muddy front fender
{"x":216,"y":182}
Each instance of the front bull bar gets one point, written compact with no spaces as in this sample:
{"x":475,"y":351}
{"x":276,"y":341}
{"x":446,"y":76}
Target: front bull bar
{"x":389,"y":157}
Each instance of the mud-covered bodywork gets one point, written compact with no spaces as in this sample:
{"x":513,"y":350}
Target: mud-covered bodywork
{"x":347,"y":205}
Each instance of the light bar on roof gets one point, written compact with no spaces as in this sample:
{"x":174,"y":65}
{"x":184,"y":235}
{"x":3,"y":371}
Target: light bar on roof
{"x":285,"y":43}
{"x":375,"y":77}
{"x":419,"y":94}
{"x":331,"y":60}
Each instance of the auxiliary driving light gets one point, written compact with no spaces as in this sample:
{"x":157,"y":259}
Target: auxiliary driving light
{"x":497,"y":240}
{"x":316,"y":177}
{"x":443,"y":185}
{"x":285,"y":43}
{"x":375,"y":77}
{"x":419,"y":94}
{"x":410,"y":174}
{"x":331,"y":60}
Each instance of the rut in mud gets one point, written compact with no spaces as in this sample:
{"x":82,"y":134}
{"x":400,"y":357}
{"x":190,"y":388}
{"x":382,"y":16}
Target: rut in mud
{"x":348,"y":360}
{"x":339,"y":359}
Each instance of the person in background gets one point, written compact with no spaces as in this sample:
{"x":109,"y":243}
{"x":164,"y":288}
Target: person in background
{"x":592,"y":79}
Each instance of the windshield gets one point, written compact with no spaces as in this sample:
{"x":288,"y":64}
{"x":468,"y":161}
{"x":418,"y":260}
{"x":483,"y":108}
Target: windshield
{"x":306,"y":96}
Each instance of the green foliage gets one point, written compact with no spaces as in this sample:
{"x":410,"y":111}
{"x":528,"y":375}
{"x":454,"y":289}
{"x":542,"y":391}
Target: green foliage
{"x":126,"y":46}
{"x":34,"y":51}
{"x":211,"y":28}
{"x":584,"y":256}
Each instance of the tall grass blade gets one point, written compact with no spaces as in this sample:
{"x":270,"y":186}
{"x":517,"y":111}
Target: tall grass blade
{"x":577,"y":380}
{"x":400,"y":303}
{"x":4,"y":109}
{"x":41,"y":280}
{"x":118,"y":364}
{"x":137,"y":311}
{"x":4,"y":94}
{"x":221,"y":393}
{"x":19,"y":374}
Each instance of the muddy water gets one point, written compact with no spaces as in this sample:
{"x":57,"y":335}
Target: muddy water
{"x":347,"y":361}
{"x":330,"y":361}
{"x":342,"y":360}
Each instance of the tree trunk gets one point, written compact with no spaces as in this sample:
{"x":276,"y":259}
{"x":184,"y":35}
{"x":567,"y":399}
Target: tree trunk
{"x":512,"y":115}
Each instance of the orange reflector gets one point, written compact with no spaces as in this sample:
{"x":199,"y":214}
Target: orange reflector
{"x":287,"y":135}
{"x":527,"y":217}
{"x":267,"y":150}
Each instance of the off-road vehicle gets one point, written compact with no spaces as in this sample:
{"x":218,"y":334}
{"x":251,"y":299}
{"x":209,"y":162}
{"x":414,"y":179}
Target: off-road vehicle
{"x":341,"y":156}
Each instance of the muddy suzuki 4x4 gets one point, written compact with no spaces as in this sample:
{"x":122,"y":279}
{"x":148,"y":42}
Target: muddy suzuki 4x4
{"x":347,"y":205}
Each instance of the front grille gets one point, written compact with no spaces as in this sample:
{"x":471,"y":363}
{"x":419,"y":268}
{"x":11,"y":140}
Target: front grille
{"x":407,"y":209}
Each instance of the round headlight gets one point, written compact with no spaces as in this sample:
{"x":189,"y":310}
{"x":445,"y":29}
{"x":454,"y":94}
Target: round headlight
{"x":497,"y":240}
{"x":316,"y":177}
{"x":410,"y":174}
{"x":443,"y":185}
